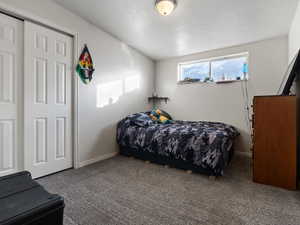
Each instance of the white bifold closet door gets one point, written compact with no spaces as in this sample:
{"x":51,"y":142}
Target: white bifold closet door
{"x":47,"y":100}
{"x":11,"y":73}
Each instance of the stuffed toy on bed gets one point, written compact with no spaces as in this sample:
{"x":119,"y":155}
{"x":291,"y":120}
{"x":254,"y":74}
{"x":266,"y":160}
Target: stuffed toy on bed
{"x":160,"y":116}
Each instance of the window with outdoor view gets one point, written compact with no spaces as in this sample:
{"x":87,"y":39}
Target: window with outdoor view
{"x":221,"y":69}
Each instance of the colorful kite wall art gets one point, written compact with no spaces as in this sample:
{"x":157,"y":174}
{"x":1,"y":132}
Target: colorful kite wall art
{"x":85,"y":67}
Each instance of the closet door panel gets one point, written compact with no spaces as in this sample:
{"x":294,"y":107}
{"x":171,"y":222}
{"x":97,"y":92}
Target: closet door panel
{"x":7,"y":148}
{"x":48,"y":103}
{"x":11,"y":102}
{"x":7,"y":77}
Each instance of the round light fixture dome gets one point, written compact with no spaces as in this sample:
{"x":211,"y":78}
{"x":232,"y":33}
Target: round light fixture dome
{"x":165,"y":7}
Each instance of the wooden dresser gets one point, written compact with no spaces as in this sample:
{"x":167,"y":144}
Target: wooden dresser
{"x":274,"y":141}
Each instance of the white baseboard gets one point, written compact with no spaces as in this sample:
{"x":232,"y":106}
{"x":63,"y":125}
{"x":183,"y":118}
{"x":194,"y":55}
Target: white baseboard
{"x":97,"y":159}
{"x":110,"y":155}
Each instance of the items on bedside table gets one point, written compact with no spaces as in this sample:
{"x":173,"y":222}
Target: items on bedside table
{"x":156,"y":99}
{"x":24,"y":201}
{"x":275,"y":141}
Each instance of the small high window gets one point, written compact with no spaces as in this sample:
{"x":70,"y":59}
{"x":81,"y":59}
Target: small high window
{"x":221,"y":69}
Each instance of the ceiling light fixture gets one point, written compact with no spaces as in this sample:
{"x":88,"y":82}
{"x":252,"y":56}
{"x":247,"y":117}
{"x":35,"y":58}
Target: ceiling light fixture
{"x":165,"y":7}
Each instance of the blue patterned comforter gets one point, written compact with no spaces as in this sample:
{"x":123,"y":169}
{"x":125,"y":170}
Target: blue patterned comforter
{"x":204,"y":144}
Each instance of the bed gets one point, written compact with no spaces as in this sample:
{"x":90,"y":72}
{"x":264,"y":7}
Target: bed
{"x":203,"y":147}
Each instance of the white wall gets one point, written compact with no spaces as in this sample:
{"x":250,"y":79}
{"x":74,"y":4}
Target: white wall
{"x":224,"y":102}
{"x":294,"y":35}
{"x":114,"y":62}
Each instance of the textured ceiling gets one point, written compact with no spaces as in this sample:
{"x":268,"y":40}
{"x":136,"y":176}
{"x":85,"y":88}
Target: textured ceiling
{"x":195,"y":25}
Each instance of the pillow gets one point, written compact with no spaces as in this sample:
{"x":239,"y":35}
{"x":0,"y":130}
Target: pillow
{"x":160,"y":116}
{"x":141,"y":119}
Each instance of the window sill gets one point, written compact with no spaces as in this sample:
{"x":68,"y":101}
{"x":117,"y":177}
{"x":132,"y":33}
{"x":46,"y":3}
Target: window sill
{"x":210,"y":82}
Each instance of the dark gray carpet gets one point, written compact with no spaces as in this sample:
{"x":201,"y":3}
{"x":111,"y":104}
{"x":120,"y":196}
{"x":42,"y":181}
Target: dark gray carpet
{"x":128,"y":191}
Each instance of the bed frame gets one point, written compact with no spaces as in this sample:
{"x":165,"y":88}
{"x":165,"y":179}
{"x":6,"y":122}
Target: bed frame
{"x":169,"y":161}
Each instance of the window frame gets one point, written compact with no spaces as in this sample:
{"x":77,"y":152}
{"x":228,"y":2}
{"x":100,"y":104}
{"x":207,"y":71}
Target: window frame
{"x":210,"y":60}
